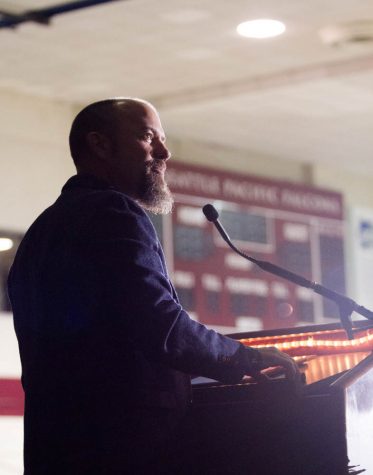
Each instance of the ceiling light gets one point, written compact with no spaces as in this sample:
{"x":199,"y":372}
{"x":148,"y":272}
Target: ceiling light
{"x":5,"y":244}
{"x":261,"y":28}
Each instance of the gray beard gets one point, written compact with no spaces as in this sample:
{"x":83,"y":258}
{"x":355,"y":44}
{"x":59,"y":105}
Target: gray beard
{"x":156,"y":196}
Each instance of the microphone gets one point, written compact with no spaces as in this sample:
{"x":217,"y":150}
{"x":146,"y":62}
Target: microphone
{"x":210,"y":212}
{"x":213,"y":216}
{"x":346,"y":305}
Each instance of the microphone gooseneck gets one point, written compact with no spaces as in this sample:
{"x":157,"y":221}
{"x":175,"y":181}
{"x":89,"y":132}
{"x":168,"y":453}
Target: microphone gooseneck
{"x":346,"y":305}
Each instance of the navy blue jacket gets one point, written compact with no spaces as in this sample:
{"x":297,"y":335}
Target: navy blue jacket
{"x":101,"y":332}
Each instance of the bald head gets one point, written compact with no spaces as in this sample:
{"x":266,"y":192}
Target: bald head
{"x":103,"y":117}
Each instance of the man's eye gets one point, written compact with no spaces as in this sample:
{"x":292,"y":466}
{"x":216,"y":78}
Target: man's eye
{"x":148,"y":137}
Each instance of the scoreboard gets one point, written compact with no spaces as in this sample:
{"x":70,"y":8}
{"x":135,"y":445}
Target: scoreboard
{"x":297,"y":227}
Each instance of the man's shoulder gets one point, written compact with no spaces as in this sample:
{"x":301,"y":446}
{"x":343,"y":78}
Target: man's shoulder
{"x":83,"y":211}
{"x":110,"y":203}
{"x":90,"y":192}
{"x":104,"y":211}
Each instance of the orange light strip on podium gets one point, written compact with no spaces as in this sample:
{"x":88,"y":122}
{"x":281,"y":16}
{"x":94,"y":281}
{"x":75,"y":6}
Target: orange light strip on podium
{"x":315,"y":343}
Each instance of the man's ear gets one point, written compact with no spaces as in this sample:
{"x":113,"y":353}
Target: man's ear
{"x":99,"y":144}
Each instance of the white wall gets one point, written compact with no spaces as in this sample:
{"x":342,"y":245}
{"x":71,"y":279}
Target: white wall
{"x":357,"y":188}
{"x":10,"y":366}
{"x":34,"y":156}
{"x":237,"y":160}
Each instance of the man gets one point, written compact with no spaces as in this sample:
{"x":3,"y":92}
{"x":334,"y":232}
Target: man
{"x":106,"y":348}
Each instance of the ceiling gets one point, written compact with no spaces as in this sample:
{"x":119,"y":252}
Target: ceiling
{"x":293,"y":97}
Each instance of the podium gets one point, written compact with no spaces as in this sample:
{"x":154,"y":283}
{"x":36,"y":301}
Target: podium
{"x":321,"y":427}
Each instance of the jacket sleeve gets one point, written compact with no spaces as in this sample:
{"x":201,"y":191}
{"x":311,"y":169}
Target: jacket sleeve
{"x":136,"y":294}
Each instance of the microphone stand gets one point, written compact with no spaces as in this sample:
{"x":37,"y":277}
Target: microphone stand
{"x":345,"y":305}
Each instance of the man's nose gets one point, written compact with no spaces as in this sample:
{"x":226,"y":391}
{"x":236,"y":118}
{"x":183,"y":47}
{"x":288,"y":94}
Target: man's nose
{"x":161,"y":151}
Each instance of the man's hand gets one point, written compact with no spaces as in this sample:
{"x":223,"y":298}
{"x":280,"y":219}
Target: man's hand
{"x":273,"y":357}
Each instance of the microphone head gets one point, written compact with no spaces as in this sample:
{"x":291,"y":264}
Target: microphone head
{"x":210,"y":212}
